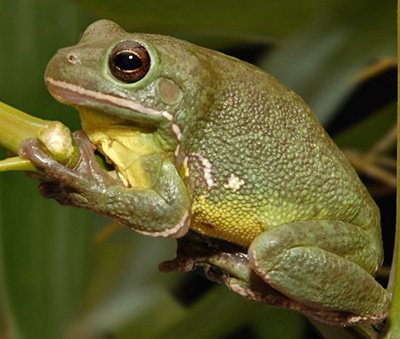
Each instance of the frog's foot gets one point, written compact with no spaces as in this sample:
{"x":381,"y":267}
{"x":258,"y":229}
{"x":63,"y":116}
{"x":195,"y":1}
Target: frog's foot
{"x":227,"y":264}
{"x":323,"y":265}
{"x":58,"y":181}
{"x":264,"y":293}
{"x":218,"y":259}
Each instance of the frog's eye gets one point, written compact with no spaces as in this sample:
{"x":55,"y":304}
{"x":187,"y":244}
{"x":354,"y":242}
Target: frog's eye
{"x":129,"y":62}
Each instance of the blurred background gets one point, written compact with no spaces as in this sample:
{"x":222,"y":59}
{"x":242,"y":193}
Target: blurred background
{"x":66,"y":273}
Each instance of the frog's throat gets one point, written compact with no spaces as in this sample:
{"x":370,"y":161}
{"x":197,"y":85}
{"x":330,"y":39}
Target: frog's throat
{"x":76,"y":94}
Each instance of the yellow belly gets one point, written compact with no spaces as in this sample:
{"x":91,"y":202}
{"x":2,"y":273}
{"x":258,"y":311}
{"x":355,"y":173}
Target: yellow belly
{"x":228,"y":220}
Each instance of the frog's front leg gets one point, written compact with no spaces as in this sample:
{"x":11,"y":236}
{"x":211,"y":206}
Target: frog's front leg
{"x":322,"y":264}
{"x":162,"y":210}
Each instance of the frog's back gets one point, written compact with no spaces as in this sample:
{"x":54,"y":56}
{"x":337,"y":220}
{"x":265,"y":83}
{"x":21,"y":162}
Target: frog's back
{"x":259,"y":158}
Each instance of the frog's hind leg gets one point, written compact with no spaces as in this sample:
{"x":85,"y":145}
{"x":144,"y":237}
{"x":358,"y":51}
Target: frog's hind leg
{"x":322,"y":264}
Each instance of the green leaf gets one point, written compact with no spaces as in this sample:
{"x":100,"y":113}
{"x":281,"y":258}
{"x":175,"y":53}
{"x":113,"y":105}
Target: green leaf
{"x":273,"y":18}
{"x":43,"y":259}
{"x":322,"y":59}
{"x":365,"y":133}
{"x":44,"y":248}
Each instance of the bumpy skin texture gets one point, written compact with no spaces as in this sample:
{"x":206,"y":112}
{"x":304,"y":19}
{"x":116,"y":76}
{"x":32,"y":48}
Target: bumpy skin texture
{"x":262,"y":133}
{"x":242,"y":160}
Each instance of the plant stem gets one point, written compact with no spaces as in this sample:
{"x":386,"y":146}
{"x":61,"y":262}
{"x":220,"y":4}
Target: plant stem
{"x":393,"y":321}
{"x":54,"y":138}
{"x":17,"y":126}
{"x":16,"y":164}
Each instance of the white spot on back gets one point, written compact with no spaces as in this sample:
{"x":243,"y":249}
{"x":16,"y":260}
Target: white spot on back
{"x":234,"y":183}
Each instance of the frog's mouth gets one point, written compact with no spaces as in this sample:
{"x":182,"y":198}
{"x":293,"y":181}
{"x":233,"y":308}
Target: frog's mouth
{"x":73,"y":94}
{"x":121,"y":142}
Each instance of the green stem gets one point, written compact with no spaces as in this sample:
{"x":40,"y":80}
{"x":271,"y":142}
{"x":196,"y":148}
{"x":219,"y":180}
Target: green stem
{"x":16,"y":164}
{"x":393,"y":321}
{"x":17,"y":126}
{"x":54,"y":137}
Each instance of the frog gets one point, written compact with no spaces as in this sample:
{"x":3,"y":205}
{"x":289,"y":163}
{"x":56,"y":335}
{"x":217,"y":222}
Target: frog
{"x":219,"y":154}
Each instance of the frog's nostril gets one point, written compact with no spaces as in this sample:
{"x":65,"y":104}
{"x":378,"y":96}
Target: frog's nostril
{"x":72,"y":58}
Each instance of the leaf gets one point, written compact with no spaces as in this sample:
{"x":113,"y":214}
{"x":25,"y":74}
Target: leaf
{"x":322,"y":59}
{"x":257,"y":18}
{"x":44,"y":248}
{"x":43,"y":260}
{"x":363,"y":135}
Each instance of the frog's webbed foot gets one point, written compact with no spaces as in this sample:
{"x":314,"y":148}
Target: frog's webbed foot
{"x":228,"y":264}
{"x":218,"y":259}
{"x":60,"y":182}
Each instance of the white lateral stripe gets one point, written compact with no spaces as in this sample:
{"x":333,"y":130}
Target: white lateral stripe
{"x":177,"y":131}
{"x":107,"y":98}
{"x":207,"y":169}
{"x":167,"y":115}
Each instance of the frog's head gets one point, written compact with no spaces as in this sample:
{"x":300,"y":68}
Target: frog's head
{"x":148,"y":80}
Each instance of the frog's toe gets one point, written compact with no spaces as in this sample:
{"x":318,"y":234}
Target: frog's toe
{"x":87,"y":164}
{"x":87,"y":161}
{"x":30,"y":149}
{"x":52,"y":170}
{"x":84,"y":144}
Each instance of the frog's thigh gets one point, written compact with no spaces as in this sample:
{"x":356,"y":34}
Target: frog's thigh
{"x":321,"y":264}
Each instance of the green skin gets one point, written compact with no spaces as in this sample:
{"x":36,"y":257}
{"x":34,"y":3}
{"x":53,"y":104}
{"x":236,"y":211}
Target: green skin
{"x":314,"y":232}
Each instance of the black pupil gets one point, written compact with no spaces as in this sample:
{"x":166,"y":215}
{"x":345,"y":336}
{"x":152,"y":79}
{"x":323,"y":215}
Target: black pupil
{"x":127,"y":61}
